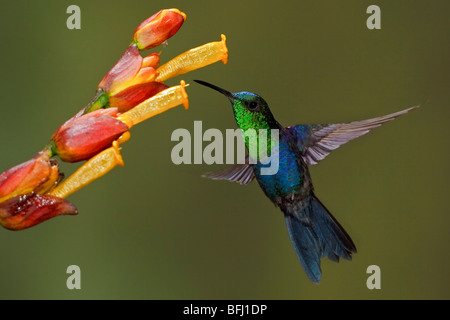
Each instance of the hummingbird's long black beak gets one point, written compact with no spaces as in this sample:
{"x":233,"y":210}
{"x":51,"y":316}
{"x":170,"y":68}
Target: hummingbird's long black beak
{"x":226,"y":93}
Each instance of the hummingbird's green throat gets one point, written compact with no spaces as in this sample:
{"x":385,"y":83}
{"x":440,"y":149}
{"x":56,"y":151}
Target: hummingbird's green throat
{"x":252,"y":114}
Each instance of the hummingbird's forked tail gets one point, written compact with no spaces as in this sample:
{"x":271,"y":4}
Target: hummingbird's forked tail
{"x":315,"y":233}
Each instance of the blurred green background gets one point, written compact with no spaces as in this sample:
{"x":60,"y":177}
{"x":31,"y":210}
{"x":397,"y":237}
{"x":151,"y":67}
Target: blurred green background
{"x":154,"y":230}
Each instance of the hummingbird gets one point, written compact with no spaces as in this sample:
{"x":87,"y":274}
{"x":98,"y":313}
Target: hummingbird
{"x":313,"y":231}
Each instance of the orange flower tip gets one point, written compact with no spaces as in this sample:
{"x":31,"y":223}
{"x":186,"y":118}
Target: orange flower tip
{"x":26,"y":211}
{"x":118,"y":156}
{"x":152,"y":60}
{"x":123,"y":138}
{"x":158,"y":28}
{"x":179,"y":12}
{"x":184,"y":94}
{"x":225,"y":49}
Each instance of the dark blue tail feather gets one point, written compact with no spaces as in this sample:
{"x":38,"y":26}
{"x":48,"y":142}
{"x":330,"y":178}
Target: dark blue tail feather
{"x":315,"y":233}
{"x":306,"y":246}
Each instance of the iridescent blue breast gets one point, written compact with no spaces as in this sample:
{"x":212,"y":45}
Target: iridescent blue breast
{"x":289,"y":177}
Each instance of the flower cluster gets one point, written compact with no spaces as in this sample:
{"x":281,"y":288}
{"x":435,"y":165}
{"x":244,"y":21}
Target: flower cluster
{"x":131,"y":92}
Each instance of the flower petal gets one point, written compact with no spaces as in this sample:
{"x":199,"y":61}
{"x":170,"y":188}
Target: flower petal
{"x":126,"y":68}
{"x":158,"y":28}
{"x":93,"y":169}
{"x":28,"y":177}
{"x":132,"y":96}
{"x":194,"y":59}
{"x":152,"y":60}
{"x":87,"y":135}
{"x":163,"y":101}
{"x":144,"y":75}
{"x":22,"y":212}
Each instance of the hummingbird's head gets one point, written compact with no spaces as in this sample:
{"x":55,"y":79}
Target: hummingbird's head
{"x":250,"y":110}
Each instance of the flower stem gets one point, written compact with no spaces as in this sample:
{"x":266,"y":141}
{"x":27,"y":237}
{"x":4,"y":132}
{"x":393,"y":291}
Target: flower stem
{"x":99,"y":100}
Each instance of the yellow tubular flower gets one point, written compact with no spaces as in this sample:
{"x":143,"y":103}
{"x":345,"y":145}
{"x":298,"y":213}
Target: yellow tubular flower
{"x":194,"y":59}
{"x":134,"y":90}
{"x":160,"y":102}
{"x":91,"y":170}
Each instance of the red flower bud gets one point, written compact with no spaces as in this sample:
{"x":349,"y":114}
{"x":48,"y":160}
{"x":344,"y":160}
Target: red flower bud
{"x":158,"y":28}
{"x":132,"y":96}
{"x":25,"y":211}
{"x":36,"y":175}
{"x":83,"y":137}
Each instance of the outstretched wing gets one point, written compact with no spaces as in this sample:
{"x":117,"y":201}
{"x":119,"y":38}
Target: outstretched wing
{"x":315,"y":142}
{"x":240,"y":173}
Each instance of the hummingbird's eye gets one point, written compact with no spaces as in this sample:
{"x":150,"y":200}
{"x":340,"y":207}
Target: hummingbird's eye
{"x":252,"y":105}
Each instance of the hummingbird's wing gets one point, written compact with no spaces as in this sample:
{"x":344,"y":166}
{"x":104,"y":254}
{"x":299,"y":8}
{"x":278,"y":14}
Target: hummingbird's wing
{"x":315,"y":142}
{"x":240,"y":173}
